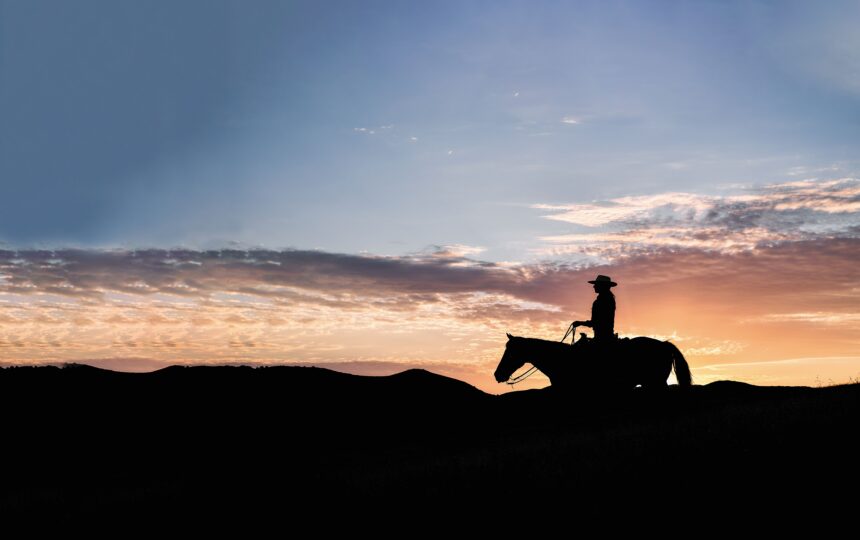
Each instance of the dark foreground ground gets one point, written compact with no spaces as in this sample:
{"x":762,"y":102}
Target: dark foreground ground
{"x":286,"y":443}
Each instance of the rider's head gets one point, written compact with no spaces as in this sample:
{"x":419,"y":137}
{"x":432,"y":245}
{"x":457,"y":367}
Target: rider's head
{"x":602,"y":284}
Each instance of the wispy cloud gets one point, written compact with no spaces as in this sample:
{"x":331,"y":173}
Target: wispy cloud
{"x":723,"y":348}
{"x":373,"y":130}
{"x":626,"y":208}
{"x":773,"y":213}
{"x":571,"y":120}
{"x":89,"y":275}
{"x":456,"y":251}
{"x":817,"y":317}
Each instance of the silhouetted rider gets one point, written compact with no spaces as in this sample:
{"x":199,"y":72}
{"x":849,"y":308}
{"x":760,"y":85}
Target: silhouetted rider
{"x":602,"y":311}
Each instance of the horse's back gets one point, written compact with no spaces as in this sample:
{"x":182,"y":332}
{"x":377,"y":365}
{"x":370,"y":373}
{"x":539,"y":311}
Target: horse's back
{"x":638,"y":361}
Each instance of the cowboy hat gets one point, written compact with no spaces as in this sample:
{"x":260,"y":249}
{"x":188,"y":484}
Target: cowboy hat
{"x":603,"y":279}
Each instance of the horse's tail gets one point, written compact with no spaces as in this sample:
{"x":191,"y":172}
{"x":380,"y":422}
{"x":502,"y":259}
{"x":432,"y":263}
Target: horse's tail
{"x":682,"y":369}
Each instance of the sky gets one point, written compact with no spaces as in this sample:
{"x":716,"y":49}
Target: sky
{"x":377,"y":186}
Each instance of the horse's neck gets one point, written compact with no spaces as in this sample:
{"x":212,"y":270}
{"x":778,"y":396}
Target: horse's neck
{"x":546,"y":346}
{"x":545,"y":353}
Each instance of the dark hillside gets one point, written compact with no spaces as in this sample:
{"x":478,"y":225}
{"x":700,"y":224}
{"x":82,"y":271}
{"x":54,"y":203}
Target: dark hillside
{"x":184,"y":443}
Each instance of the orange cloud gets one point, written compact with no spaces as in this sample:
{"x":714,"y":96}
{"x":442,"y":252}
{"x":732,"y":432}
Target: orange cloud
{"x":798,"y":299}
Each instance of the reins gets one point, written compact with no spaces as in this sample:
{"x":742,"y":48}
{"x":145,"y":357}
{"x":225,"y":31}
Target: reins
{"x":531,"y":370}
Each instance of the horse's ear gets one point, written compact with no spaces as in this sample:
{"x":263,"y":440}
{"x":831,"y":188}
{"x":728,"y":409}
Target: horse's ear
{"x":509,"y":336}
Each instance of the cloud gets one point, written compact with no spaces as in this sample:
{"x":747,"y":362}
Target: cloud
{"x":817,"y":317}
{"x":301,"y":276}
{"x":456,"y":251}
{"x":312,"y":282}
{"x":441,"y":306}
{"x":723,"y":348}
{"x":625,"y":208}
{"x":572,"y":120}
{"x":373,"y":131}
{"x":791,"y":211}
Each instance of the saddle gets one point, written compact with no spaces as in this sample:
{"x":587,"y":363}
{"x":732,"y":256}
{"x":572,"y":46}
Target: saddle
{"x":598,"y":349}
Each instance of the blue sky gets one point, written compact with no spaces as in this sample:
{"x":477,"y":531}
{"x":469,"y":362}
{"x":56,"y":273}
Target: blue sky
{"x":390,"y":127}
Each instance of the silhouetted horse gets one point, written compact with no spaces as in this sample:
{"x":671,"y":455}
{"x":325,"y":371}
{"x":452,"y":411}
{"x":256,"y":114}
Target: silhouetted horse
{"x":632,"y":362}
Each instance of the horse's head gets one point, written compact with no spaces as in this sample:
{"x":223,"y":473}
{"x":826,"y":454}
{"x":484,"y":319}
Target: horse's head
{"x":511,"y":360}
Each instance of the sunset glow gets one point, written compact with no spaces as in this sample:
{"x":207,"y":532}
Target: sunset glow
{"x":732,"y":314}
{"x":375,"y":189}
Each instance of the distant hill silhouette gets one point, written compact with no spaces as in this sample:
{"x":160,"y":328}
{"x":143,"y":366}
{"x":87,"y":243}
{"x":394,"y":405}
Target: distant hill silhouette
{"x":189,"y":443}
